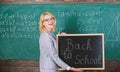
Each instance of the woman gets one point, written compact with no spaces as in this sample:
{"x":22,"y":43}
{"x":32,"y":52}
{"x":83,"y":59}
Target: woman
{"x":49,"y":58}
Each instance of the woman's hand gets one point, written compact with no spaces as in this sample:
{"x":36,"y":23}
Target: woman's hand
{"x":75,"y":69}
{"x":62,"y":34}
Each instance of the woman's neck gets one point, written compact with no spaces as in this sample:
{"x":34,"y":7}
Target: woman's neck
{"x":50,"y":30}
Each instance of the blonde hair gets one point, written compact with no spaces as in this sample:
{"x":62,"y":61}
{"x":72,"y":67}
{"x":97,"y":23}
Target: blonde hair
{"x":41,"y":26}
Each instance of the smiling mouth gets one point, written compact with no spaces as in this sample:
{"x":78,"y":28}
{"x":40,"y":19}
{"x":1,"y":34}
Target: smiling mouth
{"x":50,"y":24}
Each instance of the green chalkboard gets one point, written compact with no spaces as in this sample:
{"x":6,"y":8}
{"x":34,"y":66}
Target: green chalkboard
{"x":19,"y":26}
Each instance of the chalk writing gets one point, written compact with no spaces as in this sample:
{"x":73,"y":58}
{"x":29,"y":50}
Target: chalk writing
{"x":67,"y":54}
{"x":84,"y":46}
{"x":18,"y":35}
{"x":113,"y":32}
{"x":87,"y":60}
{"x":18,"y":25}
{"x":81,"y":50}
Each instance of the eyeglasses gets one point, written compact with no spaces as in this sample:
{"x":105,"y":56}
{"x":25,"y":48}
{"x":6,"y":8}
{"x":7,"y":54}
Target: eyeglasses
{"x":49,"y":19}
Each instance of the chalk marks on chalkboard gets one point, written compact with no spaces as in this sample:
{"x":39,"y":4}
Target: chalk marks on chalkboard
{"x":18,"y":35}
{"x":88,"y":29}
{"x":67,"y":54}
{"x":21,"y":16}
{"x":15,"y":18}
{"x":86,"y":20}
{"x":18,"y":29}
{"x":18,"y":25}
{"x":84,"y":46}
{"x":10,"y":29}
{"x":87,"y":12}
{"x":68,"y":13}
{"x":87,"y":60}
{"x":68,"y":50}
{"x":114,"y":31}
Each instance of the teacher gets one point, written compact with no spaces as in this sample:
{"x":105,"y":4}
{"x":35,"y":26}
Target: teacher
{"x":49,"y":58}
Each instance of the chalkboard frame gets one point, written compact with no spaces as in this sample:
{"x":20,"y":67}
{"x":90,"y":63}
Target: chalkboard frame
{"x":103,"y":55}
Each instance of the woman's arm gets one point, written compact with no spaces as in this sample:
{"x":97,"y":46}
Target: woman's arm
{"x":51,"y":50}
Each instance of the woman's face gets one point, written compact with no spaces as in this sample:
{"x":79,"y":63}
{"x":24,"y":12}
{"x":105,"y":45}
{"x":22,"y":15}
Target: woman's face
{"x":49,"y":22}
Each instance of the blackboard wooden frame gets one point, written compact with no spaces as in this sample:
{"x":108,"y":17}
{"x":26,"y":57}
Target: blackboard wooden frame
{"x":83,"y":35}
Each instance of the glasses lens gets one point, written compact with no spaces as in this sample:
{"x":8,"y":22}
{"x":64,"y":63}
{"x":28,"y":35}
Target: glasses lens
{"x":46,"y":19}
{"x":49,"y":19}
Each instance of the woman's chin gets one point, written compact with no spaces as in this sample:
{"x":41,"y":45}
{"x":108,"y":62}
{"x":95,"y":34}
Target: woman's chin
{"x":51,"y":27}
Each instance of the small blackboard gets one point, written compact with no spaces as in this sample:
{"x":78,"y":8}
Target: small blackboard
{"x":84,"y":51}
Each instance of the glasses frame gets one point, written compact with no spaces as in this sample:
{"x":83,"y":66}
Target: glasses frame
{"x":49,"y":19}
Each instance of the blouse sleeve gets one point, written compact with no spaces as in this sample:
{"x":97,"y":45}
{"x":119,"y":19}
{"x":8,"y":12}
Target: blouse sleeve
{"x":51,"y":50}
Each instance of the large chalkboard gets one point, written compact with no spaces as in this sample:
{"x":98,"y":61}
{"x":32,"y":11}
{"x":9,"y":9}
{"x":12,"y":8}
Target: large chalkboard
{"x":85,"y":51}
{"x":19,"y":26}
